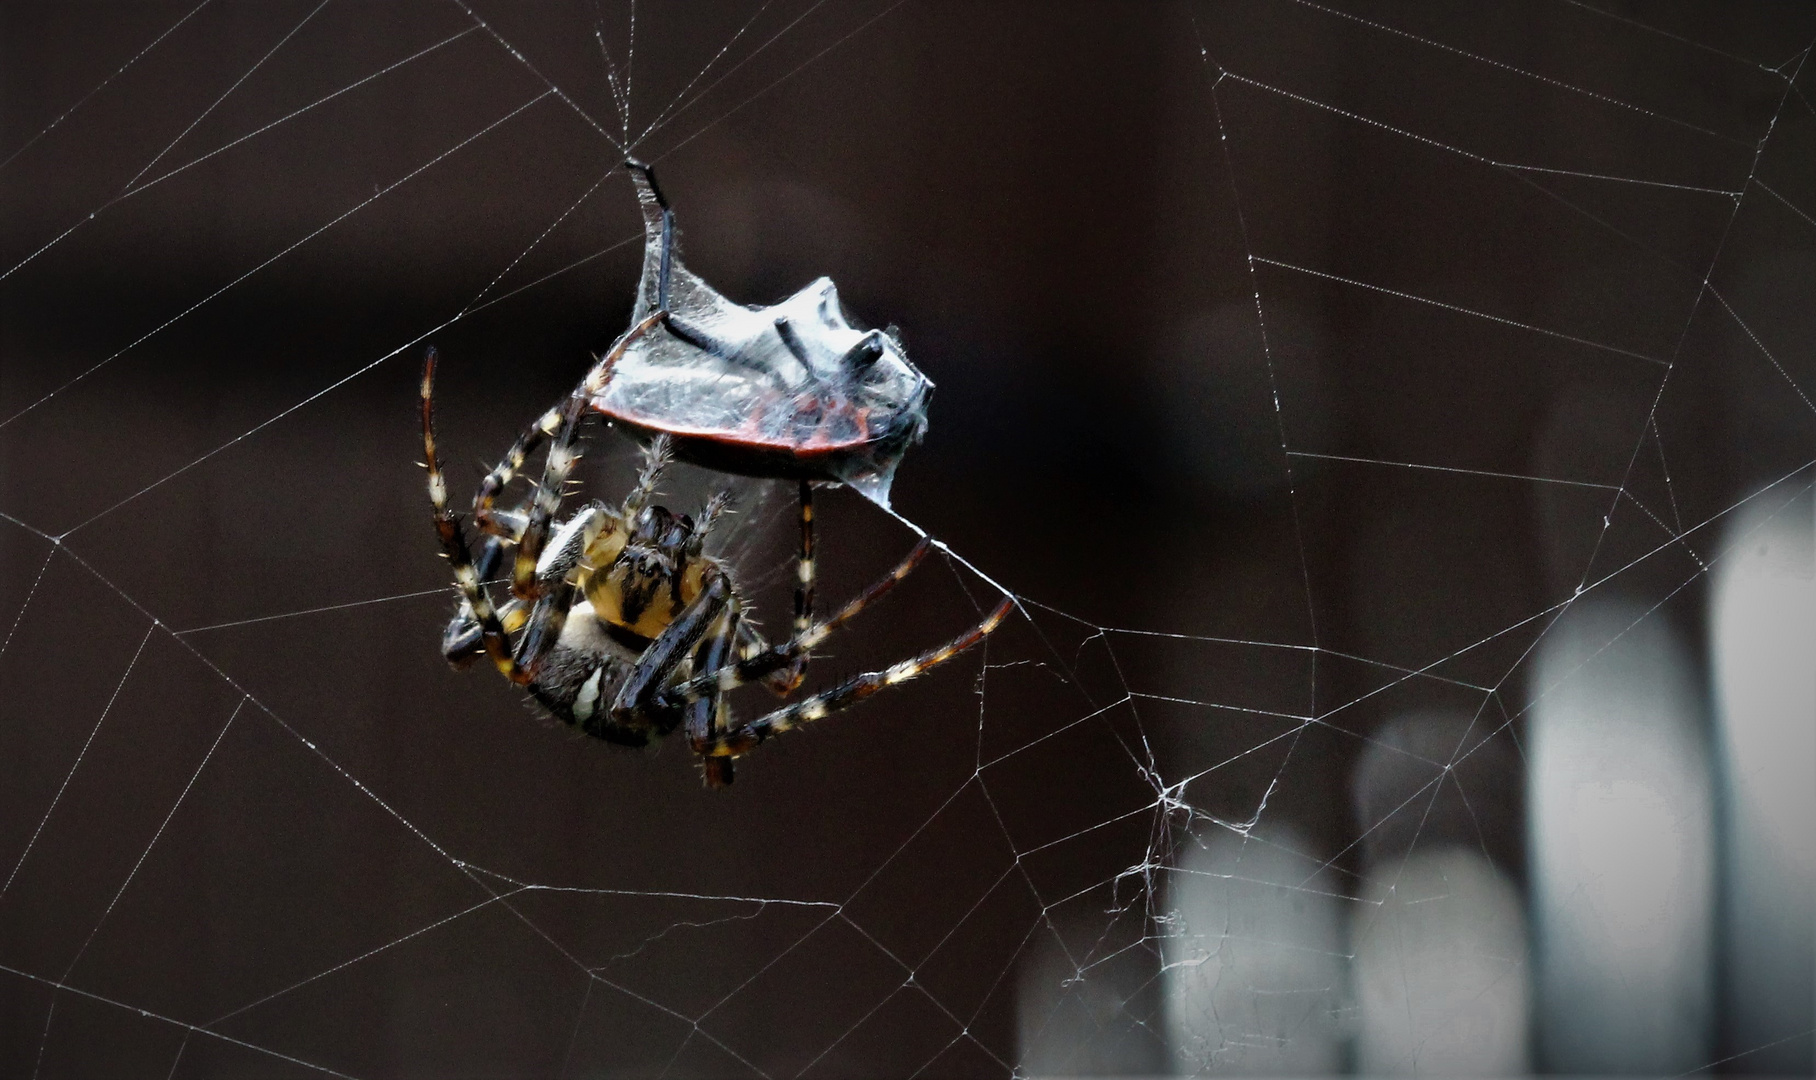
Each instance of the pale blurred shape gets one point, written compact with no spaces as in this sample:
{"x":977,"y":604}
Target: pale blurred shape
{"x":1441,"y":972}
{"x":1085,"y":997}
{"x":1763,"y":636}
{"x":1254,"y":976}
{"x":1620,"y":834}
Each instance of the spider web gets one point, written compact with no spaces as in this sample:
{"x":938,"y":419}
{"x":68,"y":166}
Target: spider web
{"x":1307,"y":372}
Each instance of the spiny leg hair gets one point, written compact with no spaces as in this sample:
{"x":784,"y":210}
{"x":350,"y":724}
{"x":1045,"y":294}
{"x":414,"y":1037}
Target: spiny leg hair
{"x":485,"y":517}
{"x":453,"y":537}
{"x":765,"y":662}
{"x":562,"y":455}
{"x":746,"y":737}
{"x":656,"y":458}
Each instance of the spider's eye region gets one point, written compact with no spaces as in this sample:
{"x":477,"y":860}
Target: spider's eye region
{"x":643,"y":561}
{"x":652,"y":522}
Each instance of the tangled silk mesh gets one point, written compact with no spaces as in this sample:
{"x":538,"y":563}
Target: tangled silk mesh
{"x":251,"y":824}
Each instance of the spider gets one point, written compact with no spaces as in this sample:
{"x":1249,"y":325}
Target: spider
{"x":619,"y":622}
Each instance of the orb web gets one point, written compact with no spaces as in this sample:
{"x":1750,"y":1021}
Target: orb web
{"x":1327,"y":386}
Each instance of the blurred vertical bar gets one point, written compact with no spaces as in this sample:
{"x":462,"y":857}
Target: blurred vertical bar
{"x":1763,"y":639}
{"x":1441,"y":970}
{"x":1620,"y":836}
{"x":1085,"y":997}
{"x":1254,"y":979}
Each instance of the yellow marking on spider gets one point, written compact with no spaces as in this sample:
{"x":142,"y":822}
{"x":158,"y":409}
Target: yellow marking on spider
{"x":605,"y":591}
{"x":604,"y":549}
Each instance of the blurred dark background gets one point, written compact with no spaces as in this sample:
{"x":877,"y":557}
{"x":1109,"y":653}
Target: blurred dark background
{"x":1166,"y":308}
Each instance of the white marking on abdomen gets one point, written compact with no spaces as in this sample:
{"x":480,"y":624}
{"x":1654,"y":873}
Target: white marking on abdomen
{"x":589,"y":695}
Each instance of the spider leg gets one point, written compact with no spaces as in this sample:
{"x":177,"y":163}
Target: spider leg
{"x":804,"y":568}
{"x":545,"y":617}
{"x":547,"y":500}
{"x":716,"y":506}
{"x":766,"y":661}
{"x":638,"y":701}
{"x":656,"y":457}
{"x":562,"y":455}
{"x":746,"y":737}
{"x":702,"y":717}
{"x":783,"y":666}
{"x":454,"y":541}
{"x":555,"y":573}
{"x":695,"y":547}
{"x":485,"y":517}
{"x":462,"y":641}
{"x":788,"y":676}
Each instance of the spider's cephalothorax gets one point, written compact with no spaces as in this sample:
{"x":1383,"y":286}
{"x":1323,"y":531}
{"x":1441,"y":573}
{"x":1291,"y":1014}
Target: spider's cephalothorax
{"x":619,"y":623}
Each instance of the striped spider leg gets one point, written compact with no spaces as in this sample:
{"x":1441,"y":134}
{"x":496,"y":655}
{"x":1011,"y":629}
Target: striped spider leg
{"x":543,"y":504}
{"x":711,"y":731}
{"x":618,"y":622}
{"x":714,"y":736}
